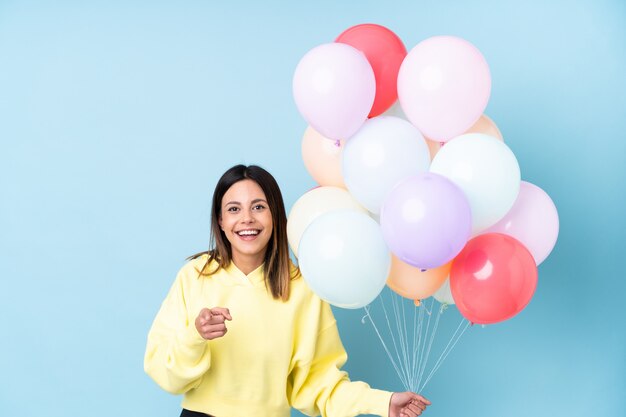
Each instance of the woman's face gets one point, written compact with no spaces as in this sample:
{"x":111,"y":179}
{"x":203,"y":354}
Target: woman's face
{"x":246,"y":221}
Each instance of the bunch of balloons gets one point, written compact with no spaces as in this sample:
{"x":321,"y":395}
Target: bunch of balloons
{"x":412,"y":194}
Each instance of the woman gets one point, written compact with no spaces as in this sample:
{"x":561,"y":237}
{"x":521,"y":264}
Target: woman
{"x":280,"y":348}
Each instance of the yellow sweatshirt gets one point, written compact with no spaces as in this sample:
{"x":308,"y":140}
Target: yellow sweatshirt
{"x":275,"y":355}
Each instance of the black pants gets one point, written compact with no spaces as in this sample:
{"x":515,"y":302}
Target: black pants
{"x":188,"y":413}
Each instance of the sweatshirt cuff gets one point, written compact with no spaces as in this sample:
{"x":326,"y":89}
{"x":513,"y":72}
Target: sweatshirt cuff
{"x":189,"y":336}
{"x":378,"y":402}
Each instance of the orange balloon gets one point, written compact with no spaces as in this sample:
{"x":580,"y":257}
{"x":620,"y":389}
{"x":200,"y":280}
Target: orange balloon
{"x":322,"y":158}
{"x":483,"y":125}
{"x":414,"y":283}
{"x":433,"y":147}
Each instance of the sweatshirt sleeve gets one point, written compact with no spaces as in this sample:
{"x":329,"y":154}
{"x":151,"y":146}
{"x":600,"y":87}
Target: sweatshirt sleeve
{"x":176,"y":355}
{"x":318,"y":386}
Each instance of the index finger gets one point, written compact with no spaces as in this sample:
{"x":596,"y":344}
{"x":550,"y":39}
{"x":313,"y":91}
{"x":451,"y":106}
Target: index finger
{"x":221,"y":311}
{"x":422,"y":399}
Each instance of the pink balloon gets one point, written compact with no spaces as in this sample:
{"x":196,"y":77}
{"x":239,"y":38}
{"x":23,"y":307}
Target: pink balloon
{"x":334,"y":89}
{"x":443,"y":86}
{"x":533,"y":220}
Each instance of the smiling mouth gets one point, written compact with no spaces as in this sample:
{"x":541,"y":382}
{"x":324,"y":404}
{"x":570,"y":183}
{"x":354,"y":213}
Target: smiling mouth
{"x":250,"y":232}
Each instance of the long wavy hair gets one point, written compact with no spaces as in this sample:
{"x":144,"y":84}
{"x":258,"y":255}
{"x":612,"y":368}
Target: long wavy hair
{"x":276,"y":264}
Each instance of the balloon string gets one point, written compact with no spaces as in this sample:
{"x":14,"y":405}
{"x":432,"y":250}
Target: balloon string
{"x":367,"y":313}
{"x":423,"y":347}
{"x":416,"y":332}
{"x":412,"y":354}
{"x":429,"y":312}
{"x":430,"y":344}
{"x":445,"y":354}
{"x":449,"y":342}
{"x":408,"y":350}
{"x":401,"y":335}
{"x":393,"y":339}
{"x":416,"y":346}
{"x":432,"y":373}
{"x":424,"y":356}
{"x":412,"y":371}
{"x":406,"y":338}
{"x":405,"y":350}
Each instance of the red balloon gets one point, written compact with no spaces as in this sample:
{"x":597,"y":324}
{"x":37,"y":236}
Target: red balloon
{"x":385,"y":52}
{"x":493,"y":278}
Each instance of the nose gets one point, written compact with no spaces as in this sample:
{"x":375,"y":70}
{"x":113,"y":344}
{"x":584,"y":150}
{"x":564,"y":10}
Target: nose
{"x":248,"y":216}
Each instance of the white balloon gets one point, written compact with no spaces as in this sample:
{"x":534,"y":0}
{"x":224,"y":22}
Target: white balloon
{"x":385,"y":150}
{"x":487,"y":172}
{"x":444,"y":294}
{"x":344,"y":259}
{"x":313,"y":204}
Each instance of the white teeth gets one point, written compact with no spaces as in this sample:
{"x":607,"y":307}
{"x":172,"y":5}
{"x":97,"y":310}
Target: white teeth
{"x":248,"y":233}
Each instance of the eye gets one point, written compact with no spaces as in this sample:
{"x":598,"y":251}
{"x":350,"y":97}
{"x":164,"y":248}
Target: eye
{"x":233,"y":209}
{"x":258,"y":207}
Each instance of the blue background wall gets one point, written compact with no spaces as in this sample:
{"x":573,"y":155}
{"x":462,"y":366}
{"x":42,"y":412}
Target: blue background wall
{"x":117,"y":118}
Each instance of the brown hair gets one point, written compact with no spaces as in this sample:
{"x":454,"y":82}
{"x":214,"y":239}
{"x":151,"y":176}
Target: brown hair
{"x":277,"y":266}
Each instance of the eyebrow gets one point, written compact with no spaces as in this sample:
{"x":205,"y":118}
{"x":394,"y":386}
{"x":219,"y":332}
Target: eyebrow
{"x":256,"y":200}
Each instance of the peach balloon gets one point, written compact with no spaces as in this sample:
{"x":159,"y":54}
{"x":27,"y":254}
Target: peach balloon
{"x":322,"y":158}
{"x":483,"y":125}
{"x":415,"y":283}
{"x":433,"y":147}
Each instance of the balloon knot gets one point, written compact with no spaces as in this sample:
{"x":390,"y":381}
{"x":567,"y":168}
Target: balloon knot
{"x":338,"y":143}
